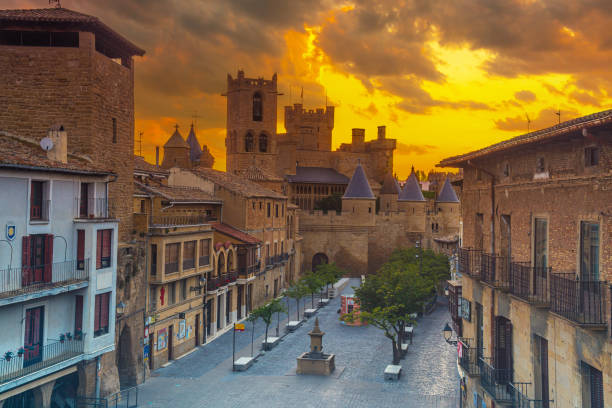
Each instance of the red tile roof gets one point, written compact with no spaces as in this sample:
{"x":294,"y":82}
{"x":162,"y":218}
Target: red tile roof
{"x":178,"y":194}
{"x":140,"y":164}
{"x":234,"y":233}
{"x":18,"y":152}
{"x":239,"y":185}
{"x":60,"y":15}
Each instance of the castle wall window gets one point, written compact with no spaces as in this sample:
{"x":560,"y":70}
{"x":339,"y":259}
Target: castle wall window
{"x":248,"y":142}
{"x":257,"y":107}
{"x":263,"y":143}
{"x":591,"y":156}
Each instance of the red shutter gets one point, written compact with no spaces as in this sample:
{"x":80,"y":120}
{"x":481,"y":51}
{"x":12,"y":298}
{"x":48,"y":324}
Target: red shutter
{"x":105,"y":310}
{"x":97,"y":314}
{"x":26,"y":256}
{"x":80,"y":248}
{"x":99,"y":249}
{"x":78,"y":314}
{"x":106,"y":243}
{"x":48,"y":268}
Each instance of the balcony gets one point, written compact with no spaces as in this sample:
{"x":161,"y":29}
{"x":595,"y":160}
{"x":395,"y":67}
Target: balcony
{"x":57,"y":277}
{"x":495,"y":381}
{"x":38,"y":358}
{"x":530,"y":283}
{"x":468,"y":358}
{"x":93,"y":208}
{"x":470,"y":262}
{"x":496,"y":271}
{"x":179,"y":220}
{"x":520,"y":399}
{"x":213,"y":283}
{"x":583,"y":302}
{"x":188,"y":263}
{"x":204,"y":260}
{"x":39,"y":212}
{"x":232,"y":276}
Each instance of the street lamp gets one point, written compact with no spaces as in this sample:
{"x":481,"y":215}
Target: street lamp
{"x":120,"y":308}
{"x":448,"y":332}
{"x":446,"y":291}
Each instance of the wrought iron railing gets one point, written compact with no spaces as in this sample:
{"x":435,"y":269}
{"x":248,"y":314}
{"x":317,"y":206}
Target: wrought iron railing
{"x":468,"y":358}
{"x":232,"y":276}
{"x":127,"y":398}
{"x":496,"y":270}
{"x":521,"y":400}
{"x":98,"y":207}
{"x":530,"y":283}
{"x":212,"y":283}
{"x":583,"y":302}
{"x":35,"y":358}
{"x":182,"y":220}
{"x":470,"y":261}
{"x":495,"y":380}
{"x":30,"y":279}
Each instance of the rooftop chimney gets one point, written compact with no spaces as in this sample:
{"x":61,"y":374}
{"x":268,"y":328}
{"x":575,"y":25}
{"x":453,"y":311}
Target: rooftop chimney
{"x":156,"y":156}
{"x":382,"y":132}
{"x":59,"y":151}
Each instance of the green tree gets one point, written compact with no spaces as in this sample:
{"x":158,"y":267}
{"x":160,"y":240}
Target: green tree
{"x":330,"y":203}
{"x":389,"y":297}
{"x":296,"y":291}
{"x":266,"y":313}
{"x":435,"y":267}
{"x":313,"y":284}
{"x":329,"y":274}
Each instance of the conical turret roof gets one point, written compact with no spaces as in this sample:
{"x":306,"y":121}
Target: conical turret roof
{"x":447,"y":193}
{"x":359,"y":187}
{"x":192,"y":141}
{"x":412,"y":190}
{"x":390,"y":185}
{"x":176,"y":140}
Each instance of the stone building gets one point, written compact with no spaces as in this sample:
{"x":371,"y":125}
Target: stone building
{"x":61,"y":66}
{"x":535,"y":297}
{"x":186,"y":154}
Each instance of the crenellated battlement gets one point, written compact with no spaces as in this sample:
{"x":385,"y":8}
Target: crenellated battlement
{"x":241,"y":82}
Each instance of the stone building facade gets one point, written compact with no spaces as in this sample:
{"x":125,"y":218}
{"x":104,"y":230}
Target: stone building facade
{"x":535,"y":297}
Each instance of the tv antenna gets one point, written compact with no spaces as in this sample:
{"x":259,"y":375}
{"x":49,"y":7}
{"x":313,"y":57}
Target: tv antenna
{"x":528,"y":122}
{"x":194,"y":119}
{"x":140,"y":143}
{"x":558,"y":113}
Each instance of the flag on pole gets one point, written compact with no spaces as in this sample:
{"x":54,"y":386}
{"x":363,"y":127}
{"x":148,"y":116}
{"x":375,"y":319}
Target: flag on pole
{"x":239,"y":327}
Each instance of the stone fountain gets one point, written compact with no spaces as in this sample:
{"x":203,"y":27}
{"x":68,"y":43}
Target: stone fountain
{"x":315,"y":361}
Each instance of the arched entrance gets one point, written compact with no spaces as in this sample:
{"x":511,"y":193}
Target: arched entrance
{"x":318,"y":259}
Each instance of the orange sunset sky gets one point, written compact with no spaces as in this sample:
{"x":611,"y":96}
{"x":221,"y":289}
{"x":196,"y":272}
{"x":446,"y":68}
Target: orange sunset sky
{"x":445,"y":77}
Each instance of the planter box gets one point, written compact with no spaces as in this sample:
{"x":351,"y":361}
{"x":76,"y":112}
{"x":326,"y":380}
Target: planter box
{"x":323,"y":302}
{"x":243,"y":363}
{"x":270,"y":343}
{"x":293,"y":324}
{"x":392,"y":372}
{"x":310,"y":312}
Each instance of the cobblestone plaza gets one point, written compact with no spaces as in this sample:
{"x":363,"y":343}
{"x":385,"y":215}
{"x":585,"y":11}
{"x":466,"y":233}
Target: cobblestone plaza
{"x":204,"y":378}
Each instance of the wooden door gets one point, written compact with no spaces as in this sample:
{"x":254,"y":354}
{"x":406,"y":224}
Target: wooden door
{"x":78,"y":315}
{"x":503,"y":349}
{"x":239,"y":301}
{"x":33,"y":339}
{"x":84,"y":200}
{"x":543,"y":343}
{"x":151,"y":348}
{"x":37,"y":260}
{"x":197,"y":330}
{"x":170,"y":341}
{"x":209,"y":306}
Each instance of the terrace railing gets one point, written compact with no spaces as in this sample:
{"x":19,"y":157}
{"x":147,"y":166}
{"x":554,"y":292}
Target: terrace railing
{"x":470,"y":261}
{"x":92,"y":207}
{"x":495,"y":381}
{"x":530,"y":283}
{"x":583,"y":302}
{"x":468,"y":357}
{"x":31,"y":279}
{"x":496,"y":270}
{"x":179,"y":220}
{"x":521,"y":400}
{"x":212,"y":283}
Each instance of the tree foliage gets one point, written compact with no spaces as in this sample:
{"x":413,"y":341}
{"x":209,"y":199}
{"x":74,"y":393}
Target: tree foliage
{"x":313,"y":284}
{"x":266,"y":313}
{"x":296,"y":291}
{"x":330,"y":203}
{"x":329,"y":273}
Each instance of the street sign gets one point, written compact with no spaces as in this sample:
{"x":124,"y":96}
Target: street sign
{"x":239,"y":327}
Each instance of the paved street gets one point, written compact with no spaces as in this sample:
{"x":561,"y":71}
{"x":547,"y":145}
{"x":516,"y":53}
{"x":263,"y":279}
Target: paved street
{"x":204,"y":378}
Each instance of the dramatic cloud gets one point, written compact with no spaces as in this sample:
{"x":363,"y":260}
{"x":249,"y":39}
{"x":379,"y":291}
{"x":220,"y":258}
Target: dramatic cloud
{"x":525,"y":96}
{"x":407,"y":149}
{"x":545,"y":118}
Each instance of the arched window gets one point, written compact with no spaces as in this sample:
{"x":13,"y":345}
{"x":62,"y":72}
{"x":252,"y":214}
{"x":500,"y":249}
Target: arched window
{"x":263,"y":143}
{"x":318,"y":259}
{"x":220,"y":264}
{"x":248,"y":142}
{"x":230,"y":261}
{"x":257,"y":107}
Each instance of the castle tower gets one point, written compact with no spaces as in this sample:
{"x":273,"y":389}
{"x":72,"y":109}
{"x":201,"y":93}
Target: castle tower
{"x":381,"y":154}
{"x":389,"y":194}
{"x":412,"y":202}
{"x":176,"y":152}
{"x":310,"y":130}
{"x":251,"y":123}
{"x":359,"y":199}
{"x":448,"y":208}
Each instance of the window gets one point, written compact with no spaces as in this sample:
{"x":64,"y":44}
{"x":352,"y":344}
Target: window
{"x":283,"y":207}
{"x":591,"y":156}
{"x":248,"y":142}
{"x":263,"y":143}
{"x":506,"y":170}
{"x":540,"y":242}
{"x":267,"y":291}
{"x":103,"y":249}
{"x":276,"y":209}
{"x":37,"y":204}
{"x":189,"y":254}
{"x":142,"y":206}
{"x":257,"y":107}
{"x":101,"y":314}
{"x":592,"y":387}
{"x":153,"y":259}
{"x":172,"y":258}
{"x":172,"y":294}
{"x":80,"y":249}
{"x":268,"y":210}
{"x":114,"y":130}
{"x":589,"y":251}
{"x":204,"y":252}
{"x":253,"y":204}
{"x":152,"y":298}
{"x":184,"y":289}
{"x":39,"y":38}
{"x":540,"y":165}
{"x":260,"y":205}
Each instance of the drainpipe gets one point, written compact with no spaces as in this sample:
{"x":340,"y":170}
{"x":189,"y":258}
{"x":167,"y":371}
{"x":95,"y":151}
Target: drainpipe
{"x":144,"y":312}
{"x":98,"y":367}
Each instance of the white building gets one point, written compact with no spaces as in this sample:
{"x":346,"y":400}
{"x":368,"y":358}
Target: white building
{"x":58,"y":257}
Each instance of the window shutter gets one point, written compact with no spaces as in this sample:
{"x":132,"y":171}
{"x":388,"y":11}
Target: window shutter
{"x":80,"y":249}
{"x":97,"y":314}
{"x":78,"y":314}
{"x":26,"y":256}
{"x":597,"y":394}
{"x":105,"y":310}
{"x":106,"y":243}
{"x":99,"y":249}
{"x":48,"y":268}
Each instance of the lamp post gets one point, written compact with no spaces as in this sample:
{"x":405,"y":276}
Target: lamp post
{"x":448,"y":332}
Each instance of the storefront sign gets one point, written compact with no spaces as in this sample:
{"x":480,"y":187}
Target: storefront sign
{"x":162,"y":339}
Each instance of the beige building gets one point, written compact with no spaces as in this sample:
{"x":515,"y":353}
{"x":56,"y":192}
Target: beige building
{"x":533,"y":304}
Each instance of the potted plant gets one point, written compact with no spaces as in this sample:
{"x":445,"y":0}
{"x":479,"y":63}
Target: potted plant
{"x":78,"y":334}
{"x":20,"y":351}
{"x":8,"y":355}
{"x":62,"y":337}
{"x":69,"y":336}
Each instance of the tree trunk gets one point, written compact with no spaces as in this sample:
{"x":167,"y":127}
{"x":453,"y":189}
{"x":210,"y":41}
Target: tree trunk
{"x":312,"y":300}
{"x":266,"y":337}
{"x":297,"y":301}
{"x":395,"y":353}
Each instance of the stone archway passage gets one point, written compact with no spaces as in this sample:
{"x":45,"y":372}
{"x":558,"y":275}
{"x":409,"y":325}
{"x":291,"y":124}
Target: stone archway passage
{"x":126,"y":362}
{"x":318,"y":259}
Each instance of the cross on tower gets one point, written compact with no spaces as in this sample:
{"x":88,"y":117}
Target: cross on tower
{"x":176,"y":127}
